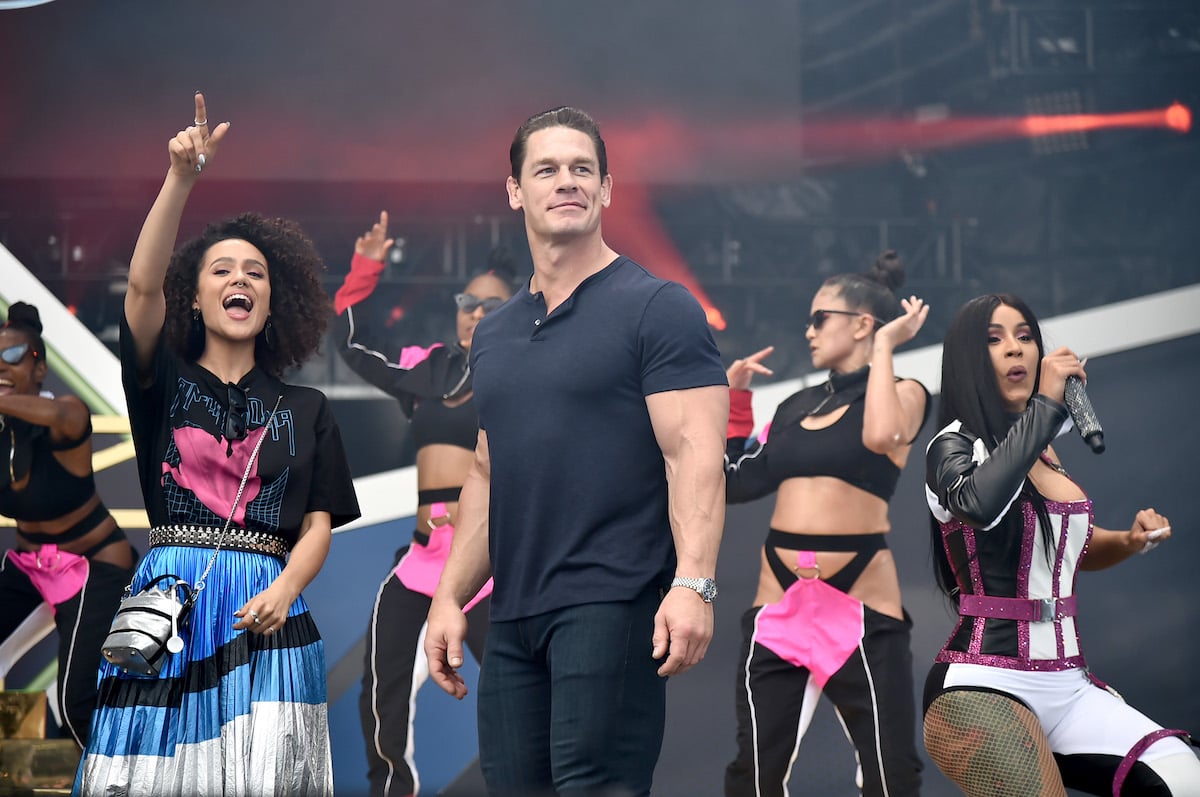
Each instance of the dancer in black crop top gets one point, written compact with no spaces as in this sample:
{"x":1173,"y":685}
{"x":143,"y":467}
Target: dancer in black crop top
{"x":828,"y":615}
{"x":72,"y":561}
{"x":433,"y":387}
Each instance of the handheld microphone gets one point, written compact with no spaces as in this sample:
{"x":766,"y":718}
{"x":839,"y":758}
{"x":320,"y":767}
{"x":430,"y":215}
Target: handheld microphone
{"x":1083,"y":414}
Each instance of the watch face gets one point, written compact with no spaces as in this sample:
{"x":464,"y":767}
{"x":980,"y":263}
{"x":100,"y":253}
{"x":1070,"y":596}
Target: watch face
{"x":708,"y":590}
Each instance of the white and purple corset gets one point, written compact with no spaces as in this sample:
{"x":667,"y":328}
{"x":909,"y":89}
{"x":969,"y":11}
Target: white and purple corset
{"x":1017,"y":606}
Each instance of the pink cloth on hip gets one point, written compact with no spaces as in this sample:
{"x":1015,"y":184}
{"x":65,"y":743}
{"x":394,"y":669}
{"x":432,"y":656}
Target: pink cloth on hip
{"x":421,"y":567}
{"x":56,"y":575}
{"x":814,"y":625}
{"x":412,"y":356}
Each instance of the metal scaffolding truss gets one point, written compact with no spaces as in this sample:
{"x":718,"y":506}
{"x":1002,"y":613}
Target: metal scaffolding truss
{"x":1096,"y":39}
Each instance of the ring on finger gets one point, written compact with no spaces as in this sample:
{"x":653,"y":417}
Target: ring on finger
{"x":253,"y":614}
{"x":198,"y":123}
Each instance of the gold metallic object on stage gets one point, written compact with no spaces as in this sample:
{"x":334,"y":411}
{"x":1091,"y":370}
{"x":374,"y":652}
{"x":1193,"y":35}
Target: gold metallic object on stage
{"x":22,"y":715}
{"x":29,"y":763}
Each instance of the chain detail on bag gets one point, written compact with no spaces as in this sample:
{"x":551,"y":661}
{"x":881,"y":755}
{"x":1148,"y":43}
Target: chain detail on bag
{"x":199,"y":585}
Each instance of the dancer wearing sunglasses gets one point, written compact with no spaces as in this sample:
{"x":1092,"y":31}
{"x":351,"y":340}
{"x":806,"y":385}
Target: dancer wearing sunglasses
{"x":433,"y":386}
{"x":208,"y":331}
{"x":827,"y":616}
{"x":72,"y":560}
{"x":1010,"y":706}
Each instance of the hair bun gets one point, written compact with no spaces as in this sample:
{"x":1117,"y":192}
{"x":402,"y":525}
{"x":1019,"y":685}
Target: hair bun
{"x":24,"y":315}
{"x":502,"y":263}
{"x":888,"y":270}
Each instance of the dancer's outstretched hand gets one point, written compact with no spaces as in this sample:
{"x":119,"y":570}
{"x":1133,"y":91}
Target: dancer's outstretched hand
{"x":903,"y":328}
{"x":374,"y":243}
{"x":742,"y":371}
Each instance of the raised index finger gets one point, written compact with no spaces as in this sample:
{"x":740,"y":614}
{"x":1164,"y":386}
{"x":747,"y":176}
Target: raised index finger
{"x":201,"y":117}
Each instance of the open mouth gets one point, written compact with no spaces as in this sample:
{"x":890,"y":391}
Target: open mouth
{"x":239,"y":300}
{"x":1017,"y":374}
{"x":6,"y":387}
{"x":238,"y":305}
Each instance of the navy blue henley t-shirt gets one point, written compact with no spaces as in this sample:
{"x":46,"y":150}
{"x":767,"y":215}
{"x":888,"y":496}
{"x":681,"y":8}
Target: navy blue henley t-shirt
{"x":578,"y":510}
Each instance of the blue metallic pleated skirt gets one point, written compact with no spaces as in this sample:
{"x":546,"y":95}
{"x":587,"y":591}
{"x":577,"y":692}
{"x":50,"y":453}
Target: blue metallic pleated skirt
{"x":233,"y":714}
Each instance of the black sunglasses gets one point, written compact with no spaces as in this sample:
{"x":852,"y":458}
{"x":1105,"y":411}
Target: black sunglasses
{"x":235,"y":415}
{"x":14,"y":354}
{"x":819,"y":317}
{"x":469,"y":303}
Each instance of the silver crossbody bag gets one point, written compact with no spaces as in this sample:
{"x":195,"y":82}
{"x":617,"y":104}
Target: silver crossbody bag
{"x":147,"y":625}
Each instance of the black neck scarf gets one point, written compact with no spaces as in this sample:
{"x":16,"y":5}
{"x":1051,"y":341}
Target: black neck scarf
{"x":838,"y":391}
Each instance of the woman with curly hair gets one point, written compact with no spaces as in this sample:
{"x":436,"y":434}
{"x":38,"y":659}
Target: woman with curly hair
{"x":244,"y":476}
{"x":71,"y":559}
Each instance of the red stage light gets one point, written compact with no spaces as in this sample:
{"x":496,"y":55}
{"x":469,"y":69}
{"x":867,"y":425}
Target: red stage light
{"x":715,"y":319}
{"x":1179,"y":117}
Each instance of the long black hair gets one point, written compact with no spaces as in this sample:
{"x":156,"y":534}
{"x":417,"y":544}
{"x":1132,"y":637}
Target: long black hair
{"x":971,"y":395}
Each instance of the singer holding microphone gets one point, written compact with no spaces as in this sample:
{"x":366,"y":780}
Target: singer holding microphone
{"x":1009,"y":699}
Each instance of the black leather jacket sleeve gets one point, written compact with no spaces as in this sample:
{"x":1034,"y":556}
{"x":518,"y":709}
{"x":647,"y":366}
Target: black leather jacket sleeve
{"x":977,"y":487}
{"x":747,"y":473}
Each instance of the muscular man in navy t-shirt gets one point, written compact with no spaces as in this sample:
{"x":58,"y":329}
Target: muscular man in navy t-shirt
{"x":596,"y":498}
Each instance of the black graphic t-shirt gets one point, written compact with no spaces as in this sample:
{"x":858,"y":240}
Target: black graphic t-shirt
{"x":190,"y":472}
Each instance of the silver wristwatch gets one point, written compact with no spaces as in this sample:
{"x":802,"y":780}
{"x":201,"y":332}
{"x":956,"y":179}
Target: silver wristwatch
{"x":705,"y":587}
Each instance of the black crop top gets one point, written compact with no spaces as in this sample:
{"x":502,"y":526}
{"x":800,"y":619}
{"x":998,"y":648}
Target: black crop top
{"x":434,"y":422}
{"x":52,"y":491}
{"x":791,"y":451}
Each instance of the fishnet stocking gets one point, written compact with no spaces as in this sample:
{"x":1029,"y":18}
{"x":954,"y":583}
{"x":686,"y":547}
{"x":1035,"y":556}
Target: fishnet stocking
{"x":990,"y":746}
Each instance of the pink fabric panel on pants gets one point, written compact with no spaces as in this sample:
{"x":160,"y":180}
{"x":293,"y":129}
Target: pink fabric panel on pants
{"x":422,"y":566}
{"x":813,"y":625}
{"x":56,"y":574}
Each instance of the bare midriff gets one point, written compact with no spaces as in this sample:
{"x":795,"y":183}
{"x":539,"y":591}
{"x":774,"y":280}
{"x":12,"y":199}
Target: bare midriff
{"x":826,"y":506}
{"x":118,"y":553}
{"x":441,"y":466}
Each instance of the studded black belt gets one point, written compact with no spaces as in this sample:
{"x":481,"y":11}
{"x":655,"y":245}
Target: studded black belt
{"x":208,"y":536}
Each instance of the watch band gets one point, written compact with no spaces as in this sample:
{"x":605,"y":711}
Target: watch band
{"x":706,"y":588}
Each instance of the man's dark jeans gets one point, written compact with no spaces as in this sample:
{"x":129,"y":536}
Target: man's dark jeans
{"x":570,"y":702}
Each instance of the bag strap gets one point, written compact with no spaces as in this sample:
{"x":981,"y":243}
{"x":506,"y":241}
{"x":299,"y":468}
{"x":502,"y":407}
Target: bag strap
{"x":199,"y":585}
